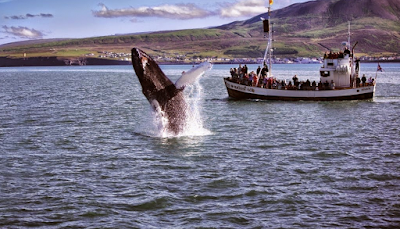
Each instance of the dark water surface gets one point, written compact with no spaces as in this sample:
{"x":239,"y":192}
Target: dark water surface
{"x":79,"y":150}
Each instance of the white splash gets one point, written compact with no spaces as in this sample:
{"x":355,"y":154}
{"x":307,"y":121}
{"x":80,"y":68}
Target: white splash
{"x":193,"y":94}
{"x":154,"y":125}
{"x":160,"y":122}
{"x":194,"y":121}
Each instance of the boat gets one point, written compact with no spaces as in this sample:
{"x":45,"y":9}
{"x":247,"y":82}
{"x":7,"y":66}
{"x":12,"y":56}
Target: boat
{"x":340,"y":78}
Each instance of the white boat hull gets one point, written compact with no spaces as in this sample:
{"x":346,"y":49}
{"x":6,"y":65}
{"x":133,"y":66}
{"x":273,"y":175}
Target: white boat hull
{"x":239,"y":91}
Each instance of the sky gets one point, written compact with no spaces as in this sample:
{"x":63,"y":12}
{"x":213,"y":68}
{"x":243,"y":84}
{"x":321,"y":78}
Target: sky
{"x":44,"y":19}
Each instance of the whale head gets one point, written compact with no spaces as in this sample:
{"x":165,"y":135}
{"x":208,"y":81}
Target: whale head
{"x":151,"y":77}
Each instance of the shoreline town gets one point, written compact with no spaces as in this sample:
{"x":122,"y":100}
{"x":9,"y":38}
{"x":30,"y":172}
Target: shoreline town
{"x":119,"y":59}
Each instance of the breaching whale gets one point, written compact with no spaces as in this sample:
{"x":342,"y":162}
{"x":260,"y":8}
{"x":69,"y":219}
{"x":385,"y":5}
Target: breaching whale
{"x":161,"y":92}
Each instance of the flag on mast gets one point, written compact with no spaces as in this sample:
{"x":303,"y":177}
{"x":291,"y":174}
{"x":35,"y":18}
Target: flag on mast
{"x":271,"y":1}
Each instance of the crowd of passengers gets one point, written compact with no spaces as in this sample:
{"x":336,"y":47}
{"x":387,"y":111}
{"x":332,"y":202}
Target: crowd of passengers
{"x":335,"y":55}
{"x":259,"y":78}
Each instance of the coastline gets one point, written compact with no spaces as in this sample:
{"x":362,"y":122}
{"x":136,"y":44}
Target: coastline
{"x":57,"y":61}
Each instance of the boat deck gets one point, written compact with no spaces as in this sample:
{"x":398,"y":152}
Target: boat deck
{"x":279,"y":86}
{"x":242,"y":91}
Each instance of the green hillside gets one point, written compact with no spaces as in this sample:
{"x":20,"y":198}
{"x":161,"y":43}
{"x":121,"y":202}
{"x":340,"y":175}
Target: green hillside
{"x":298,"y":30}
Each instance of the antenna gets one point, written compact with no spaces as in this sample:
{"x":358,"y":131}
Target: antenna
{"x":325,"y":47}
{"x":349,"y":35}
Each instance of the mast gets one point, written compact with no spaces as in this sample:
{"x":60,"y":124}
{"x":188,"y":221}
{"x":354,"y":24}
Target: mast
{"x":270,"y":41}
{"x":352,"y":67}
{"x":267,"y":29}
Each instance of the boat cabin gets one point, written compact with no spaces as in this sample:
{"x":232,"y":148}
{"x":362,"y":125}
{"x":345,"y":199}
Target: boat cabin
{"x":337,"y":68}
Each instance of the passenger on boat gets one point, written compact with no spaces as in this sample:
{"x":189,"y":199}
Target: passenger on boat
{"x":347,"y":51}
{"x":334,"y":55}
{"x":258,"y":70}
{"x":290,"y":86}
{"x":245,"y":69}
{"x":332,"y":85}
{"x":270,"y":82}
{"x":264,"y":70}
{"x":358,"y":81}
{"x":320,"y":85}
{"x":326,"y":85}
{"x":249,"y":80}
{"x":260,"y":81}
{"x":370,"y":81}
{"x":295,"y":80}
{"x":313,"y":85}
{"x":363,"y":80}
{"x":255,"y":81}
{"x":275,"y":83}
{"x":283,"y":83}
{"x":357,"y":65}
{"x":233,"y":73}
{"x":308,"y":84}
{"x":265,"y":82}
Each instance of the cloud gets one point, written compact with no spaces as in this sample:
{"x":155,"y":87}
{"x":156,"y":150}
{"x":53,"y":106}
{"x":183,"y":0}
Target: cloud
{"x":243,"y":8}
{"x":15,"y":17}
{"x":23,"y":32}
{"x":178,"y":11}
{"x":135,"y":20}
{"x":46,"y":15}
{"x":21,"y":17}
{"x":240,"y":8}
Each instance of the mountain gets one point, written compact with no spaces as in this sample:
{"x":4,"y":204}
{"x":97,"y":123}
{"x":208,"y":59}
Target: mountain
{"x":374,"y":24}
{"x":298,"y":31}
{"x":335,"y":11}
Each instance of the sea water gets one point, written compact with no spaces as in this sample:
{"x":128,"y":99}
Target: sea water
{"x":78,"y":149}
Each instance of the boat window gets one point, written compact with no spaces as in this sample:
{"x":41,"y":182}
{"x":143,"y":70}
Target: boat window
{"x":330,"y":64}
{"x":324,"y":73}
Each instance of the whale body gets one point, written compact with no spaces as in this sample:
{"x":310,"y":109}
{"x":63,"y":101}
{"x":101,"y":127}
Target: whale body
{"x":161,"y":92}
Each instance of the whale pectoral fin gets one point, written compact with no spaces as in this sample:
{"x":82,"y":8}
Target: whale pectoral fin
{"x":182,"y":81}
{"x":192,"y":75}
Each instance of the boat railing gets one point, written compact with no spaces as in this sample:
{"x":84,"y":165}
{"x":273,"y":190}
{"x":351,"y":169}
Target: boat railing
{"x":272,"y":83}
